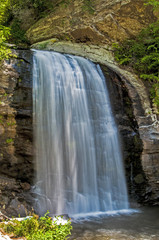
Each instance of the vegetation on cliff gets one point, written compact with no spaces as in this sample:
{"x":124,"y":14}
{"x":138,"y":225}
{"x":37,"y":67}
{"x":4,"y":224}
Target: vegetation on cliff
{"x":4,"y":30}
{"x":142,"y":54}
{"x":12,"y":28}
{"x":14,"y":16}
{"x":154,"y":3}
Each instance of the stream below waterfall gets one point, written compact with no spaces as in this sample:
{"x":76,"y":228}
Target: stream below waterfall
{"x":140,"y":225}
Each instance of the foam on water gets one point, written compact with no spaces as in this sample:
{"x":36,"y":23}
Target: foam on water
{"x":92,"y":215}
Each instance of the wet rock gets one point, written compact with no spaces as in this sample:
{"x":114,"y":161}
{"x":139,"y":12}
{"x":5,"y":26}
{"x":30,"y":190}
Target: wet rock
{"x":17,"y":207}
{"x":25,"y":186}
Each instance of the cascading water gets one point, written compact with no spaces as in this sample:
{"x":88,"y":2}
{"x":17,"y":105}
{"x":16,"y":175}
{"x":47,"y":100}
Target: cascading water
{"x":78,"y":157}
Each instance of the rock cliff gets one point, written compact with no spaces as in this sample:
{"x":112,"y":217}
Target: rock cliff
{"x":84,"y":28}
{"x":97,"y":21}
{"x":138,"y":125}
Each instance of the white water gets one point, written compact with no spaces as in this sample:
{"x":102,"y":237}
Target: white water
{"x":78,"y":157}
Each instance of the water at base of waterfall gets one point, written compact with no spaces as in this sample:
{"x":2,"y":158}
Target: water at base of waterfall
{"x":141,"y":224}
{"x":78,"y":157}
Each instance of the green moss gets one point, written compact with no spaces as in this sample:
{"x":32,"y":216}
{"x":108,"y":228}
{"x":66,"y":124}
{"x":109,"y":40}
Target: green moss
{"x":88,"y":6}
{"x":1,"y":119}
{"x":9,"y":140}
{"x":42,"y":45}
{"x":11,"y":123}
{"x":53,"y":40}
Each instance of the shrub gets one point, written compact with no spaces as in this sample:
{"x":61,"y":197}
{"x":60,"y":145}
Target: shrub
{"x":43,"y":228}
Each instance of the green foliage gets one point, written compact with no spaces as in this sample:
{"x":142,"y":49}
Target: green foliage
{"x":4,"y":10}
{"x":5,"y":52}
{"x":154,"y":3}
{"x":35,"y":228}
{"x":142,"y":54}
{"x":4,"y":31}
{"x":11,"y":123}
{"x":9,"y":140}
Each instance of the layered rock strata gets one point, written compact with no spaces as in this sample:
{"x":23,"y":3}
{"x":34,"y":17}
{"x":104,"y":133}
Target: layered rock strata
{"x":95,"y":21}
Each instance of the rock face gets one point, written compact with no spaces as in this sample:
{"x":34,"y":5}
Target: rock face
{"x":97,"y":21}
{"x":139,"y":132}
{"x":15,"y":132}
{"x":89,"y":28}
{"x":137,"y":125}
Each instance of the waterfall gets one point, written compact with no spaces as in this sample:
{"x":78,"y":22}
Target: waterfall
{"x":78,"y":157}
